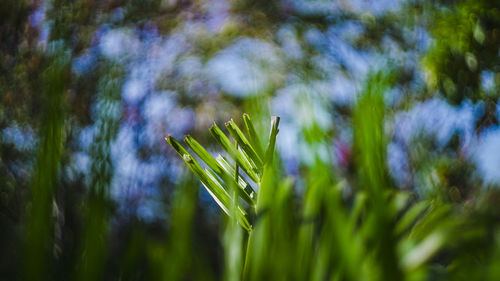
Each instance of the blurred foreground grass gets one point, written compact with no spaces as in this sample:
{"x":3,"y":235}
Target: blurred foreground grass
{"x":366,"y":231}
{"x":362,"y":229}
{"x":336,"y":229}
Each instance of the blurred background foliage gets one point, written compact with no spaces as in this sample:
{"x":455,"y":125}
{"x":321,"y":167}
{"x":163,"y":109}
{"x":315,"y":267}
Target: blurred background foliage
{"x":388,"y":156}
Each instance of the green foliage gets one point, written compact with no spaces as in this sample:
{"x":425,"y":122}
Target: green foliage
{"x":172,"y":260}
{"x":384,"y":234}
{"x":40,"y":215}
{"x":222,"y":179}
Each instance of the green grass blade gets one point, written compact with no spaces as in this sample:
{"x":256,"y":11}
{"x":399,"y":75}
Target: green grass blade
{"x":219,"y":187}
{"x":213,"y":187}
{"x":357,"y":210}
{"x":203,"y":154}
{"x":424,"y":251}
{"x":211,"y":183}
{"x":234,"y":153}
{"x":242,"y":183}
{"x":272,"y":139}
{"x":39,"y":220}
{"x":248,"y":159}
{"x":173,"y":259}
{"x":370,"y":147}
{"x":233,"y":241}
{"x":253,"y":136}
{"x":218,"y":193}
{"x":410,"y":216}
{"x":176,"y":146}
{"x":244,"y":143}
{"x":219,"y":170}
{"x":240,"y":214}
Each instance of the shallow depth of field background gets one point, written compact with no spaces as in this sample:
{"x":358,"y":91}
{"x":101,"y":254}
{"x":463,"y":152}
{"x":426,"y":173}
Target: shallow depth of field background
{"x":90,"y":89}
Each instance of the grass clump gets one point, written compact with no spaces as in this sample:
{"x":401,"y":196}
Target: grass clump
{"x":362,"y":229}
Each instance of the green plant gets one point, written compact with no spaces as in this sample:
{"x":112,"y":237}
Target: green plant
{"x":221,"y":178}
{"x":376,"y":233}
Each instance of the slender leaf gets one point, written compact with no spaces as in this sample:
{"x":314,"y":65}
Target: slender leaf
{"x":244,"y":143}
{"x":219,"y":194}
{"x":235,"y":153}
{"x":219,"y":170}
{"x":241,"y":181}
{"x":272,"y":139}
{"x":209,"y":180}
{"x":253,"y":136}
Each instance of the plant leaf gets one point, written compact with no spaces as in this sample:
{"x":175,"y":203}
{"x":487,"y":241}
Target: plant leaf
{"x":253,"y":136}
{"x":213,"y":187}
{"x":272,"y":139}
{"x":236,"y":154}
{"x":241,"y":181}
{"x":244,"y":143}
{"x":219,"y":170}
{"x":240,"y":213}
